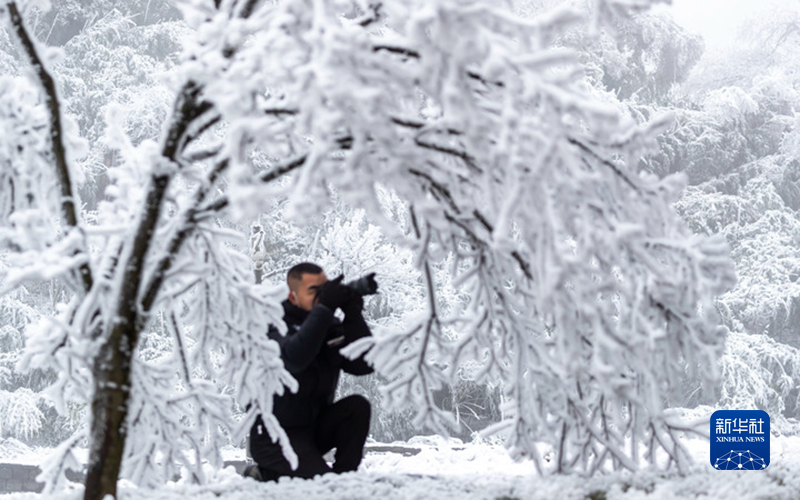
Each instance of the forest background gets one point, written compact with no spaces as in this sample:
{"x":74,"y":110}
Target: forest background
{"x":735,"y":135}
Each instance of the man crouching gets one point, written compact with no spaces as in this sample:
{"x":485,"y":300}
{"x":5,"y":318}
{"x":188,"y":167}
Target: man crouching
{"x":310,"y":352}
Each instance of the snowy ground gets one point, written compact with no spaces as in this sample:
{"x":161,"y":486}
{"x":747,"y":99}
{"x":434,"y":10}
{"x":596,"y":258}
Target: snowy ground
{"x":450,"y":470}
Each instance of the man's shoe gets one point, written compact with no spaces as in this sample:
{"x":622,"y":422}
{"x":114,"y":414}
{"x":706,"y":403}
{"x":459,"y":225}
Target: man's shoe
{"x":253,"y":472}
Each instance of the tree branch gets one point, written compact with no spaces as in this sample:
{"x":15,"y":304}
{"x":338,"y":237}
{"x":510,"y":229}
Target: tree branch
{"x":202,"y":155}
{"x":174,"y":246}
{"x":222,"y":202}
{"x":280,"y":111}
{"x":442,"y":193}
{"x":408,"y":123}
{"x":191,"y":218}
{"x":413,"y":54}
{"x":344,"y":142}
{"x":468,"y":159}
{"x":403,"y":51}
{"x":58,"y":151}
{"x":112,"y":367}
{"x":188,"y":108}
{"x":194,"y":134}
{"x":476,"y":76}
{"x":622,"y":175}
{"x":181,"y":352}
{"x":439,"y":191}
{"x":248,"y":8}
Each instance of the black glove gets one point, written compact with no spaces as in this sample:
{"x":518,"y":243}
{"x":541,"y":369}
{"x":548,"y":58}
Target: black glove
{"x":333,"y":294}
{"x":352,"y":309}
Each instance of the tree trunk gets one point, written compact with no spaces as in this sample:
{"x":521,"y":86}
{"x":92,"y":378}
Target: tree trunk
{"x":112,"y":369}
{"x":113,"y":363}
{"x":110,"y":411}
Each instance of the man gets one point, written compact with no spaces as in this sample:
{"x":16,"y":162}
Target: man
{"x":310,"y":352}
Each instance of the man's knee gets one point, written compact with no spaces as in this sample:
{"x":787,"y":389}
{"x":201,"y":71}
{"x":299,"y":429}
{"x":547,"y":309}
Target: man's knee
{"x":358,"y":406}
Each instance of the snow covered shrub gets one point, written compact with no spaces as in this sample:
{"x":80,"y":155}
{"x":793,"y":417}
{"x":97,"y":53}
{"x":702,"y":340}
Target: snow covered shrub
{"x":475,"y":406}
{"x":20,"y":416}
{"x":19,"y":410}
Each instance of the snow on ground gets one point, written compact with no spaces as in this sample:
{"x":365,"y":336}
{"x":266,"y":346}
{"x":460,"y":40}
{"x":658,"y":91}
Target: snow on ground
{"x":16,"y":452}
{"x":450,"y":470}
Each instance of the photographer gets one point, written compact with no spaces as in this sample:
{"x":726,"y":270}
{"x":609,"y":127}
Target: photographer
{"x":310,"y":352}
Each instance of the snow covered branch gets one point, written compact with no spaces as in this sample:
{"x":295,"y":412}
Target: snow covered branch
{"x":58,"y":151}
{"x":188,"y":224}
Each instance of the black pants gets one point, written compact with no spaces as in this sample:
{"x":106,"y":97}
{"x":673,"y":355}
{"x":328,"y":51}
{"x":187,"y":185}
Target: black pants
{"x":344,"y":425}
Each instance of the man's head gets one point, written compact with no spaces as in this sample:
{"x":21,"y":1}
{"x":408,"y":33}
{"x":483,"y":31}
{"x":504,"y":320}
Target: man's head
{"x":304,"y":280}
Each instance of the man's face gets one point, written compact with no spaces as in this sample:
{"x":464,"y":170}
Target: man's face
{"x":303,"y":292}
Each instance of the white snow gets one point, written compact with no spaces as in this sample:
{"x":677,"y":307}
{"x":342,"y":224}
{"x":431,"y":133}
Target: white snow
{"x":447,"y":469}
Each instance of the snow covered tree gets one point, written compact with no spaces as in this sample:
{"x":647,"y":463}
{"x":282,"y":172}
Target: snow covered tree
{"x":734,"y":106}
{"x":755,"y":208}
{"x":760,"y":373}
{"x":20,"y":409}
{"x":640,"y":58}
{"x":734,"y":136}
{"x":584,"y":291}
{"x":56,"y":23}
{"x":115,"y":62}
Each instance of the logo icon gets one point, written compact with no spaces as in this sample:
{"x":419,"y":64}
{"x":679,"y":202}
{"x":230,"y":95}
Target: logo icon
{"x":740,"y":440}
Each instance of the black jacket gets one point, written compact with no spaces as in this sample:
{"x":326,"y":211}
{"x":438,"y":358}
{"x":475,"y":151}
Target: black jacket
{"x":310,"y":352}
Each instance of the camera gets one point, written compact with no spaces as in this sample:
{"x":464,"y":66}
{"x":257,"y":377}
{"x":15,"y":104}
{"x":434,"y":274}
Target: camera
{"x":365,"y":285}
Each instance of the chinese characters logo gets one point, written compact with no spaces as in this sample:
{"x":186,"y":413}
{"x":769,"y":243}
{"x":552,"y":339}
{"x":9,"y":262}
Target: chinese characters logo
{"x":740,"y":440}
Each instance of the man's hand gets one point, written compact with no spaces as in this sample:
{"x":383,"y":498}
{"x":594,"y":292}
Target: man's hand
{"x":333,"y":294}
{"x":352,"y":309}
